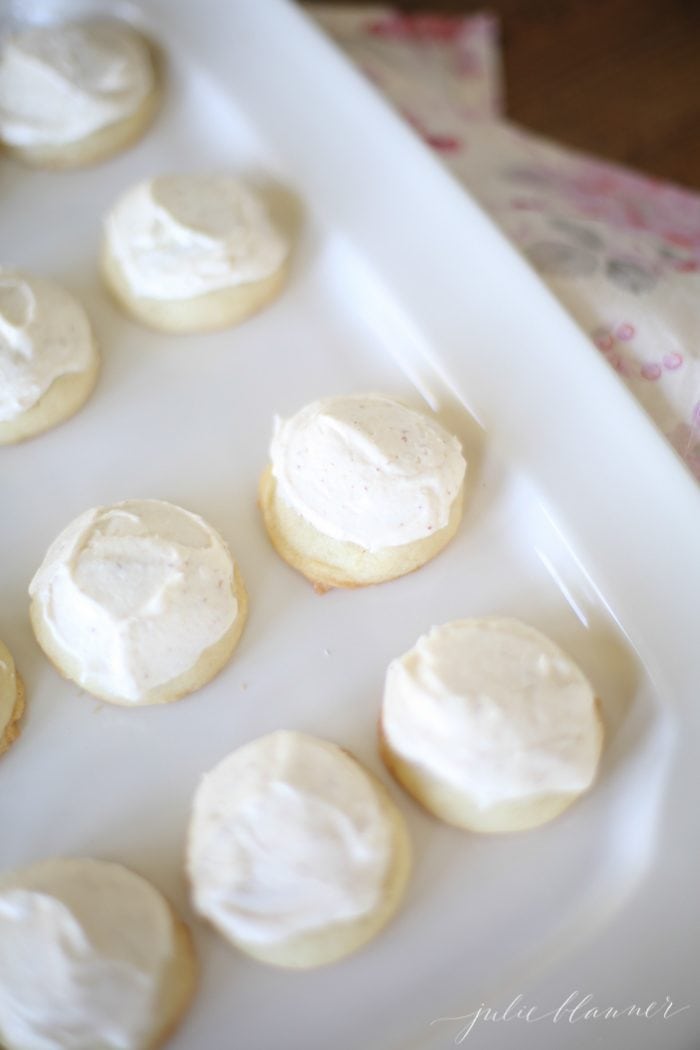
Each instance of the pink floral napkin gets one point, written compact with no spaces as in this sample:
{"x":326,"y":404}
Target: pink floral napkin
{"x":620,"y":250}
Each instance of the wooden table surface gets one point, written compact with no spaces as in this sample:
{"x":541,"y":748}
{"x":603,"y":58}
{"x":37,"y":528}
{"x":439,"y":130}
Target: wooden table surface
{"x":617,"y":78}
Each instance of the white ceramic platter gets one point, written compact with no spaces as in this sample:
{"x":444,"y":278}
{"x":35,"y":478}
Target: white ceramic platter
{"x":580,"y":520}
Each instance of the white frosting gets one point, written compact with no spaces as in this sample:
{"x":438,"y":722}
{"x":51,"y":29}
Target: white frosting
{"x":85,"y":948}
{"x":287,"y":837}
{"x":495,"y":709}
{"x":180,"y":236}
{"x":61,"y":83}
{"x":134,"y":594}
{"x":368,"y":470}
{"x":44,"y":334}
{"x":8,"y":688}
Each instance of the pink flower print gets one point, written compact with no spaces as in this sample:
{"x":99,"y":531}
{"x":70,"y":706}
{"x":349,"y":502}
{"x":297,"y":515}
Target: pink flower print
{"x":687,"y":266}
{"x":443,"y":143}
{"x":678,"y":260}
{"x":652,"y":371}
{"x":620,"y":364}
{"x":680,"y":239}
{"x":436,"y":28}
{"x":625,"y":332}
{"x":624,"y":200}
{"x":672,"y":361}
{"x":603,"y":339}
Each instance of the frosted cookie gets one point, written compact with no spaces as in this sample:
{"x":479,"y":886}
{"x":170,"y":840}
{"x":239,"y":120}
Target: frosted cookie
{"x":361,"y":489}
{"x":11,"y":699}
{"x":48,"y":358}
{"x":91,"y":956}
{"x":190,"y":253}
{"x":138,"y":603}
{"x":296,"y":854}
{"x":76,"y":92}
{"x":490,"y":725}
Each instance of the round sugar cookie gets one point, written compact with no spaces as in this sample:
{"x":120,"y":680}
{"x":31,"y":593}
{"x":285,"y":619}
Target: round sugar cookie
{"x":193,"y":253}
{"x":76,"y":92}
{"x":490,"y":725}
{"x":48,"y":356}
{"x":361,"y":489}
{"x":91,"y":956}
{"x":138,"y":603}
{"x":296,"y":854}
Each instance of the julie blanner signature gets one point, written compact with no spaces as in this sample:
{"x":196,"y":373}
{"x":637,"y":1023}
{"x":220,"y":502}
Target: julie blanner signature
{"x":577,"y":1007}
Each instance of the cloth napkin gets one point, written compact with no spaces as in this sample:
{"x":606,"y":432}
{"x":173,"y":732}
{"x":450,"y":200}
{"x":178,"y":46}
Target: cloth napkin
{"x":620,"y":250}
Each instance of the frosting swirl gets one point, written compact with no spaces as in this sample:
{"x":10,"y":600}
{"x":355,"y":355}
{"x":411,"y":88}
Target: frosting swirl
{"x":495,"y":709}
{"x":287,"y":836}
{"x":366,"y":469}
{"x":133,"y":594}
{"x":85,"y":952}
{"x":62,"y":83}
{"x":181,"y":236}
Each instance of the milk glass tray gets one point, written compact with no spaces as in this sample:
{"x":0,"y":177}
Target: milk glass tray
{"x":579,"y":519}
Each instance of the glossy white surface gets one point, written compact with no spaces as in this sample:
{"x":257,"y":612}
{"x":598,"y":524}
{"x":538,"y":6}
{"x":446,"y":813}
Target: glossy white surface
{"x":603,"y":900}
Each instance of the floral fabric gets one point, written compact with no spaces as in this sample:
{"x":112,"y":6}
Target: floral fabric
{"x":620,"y":250}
